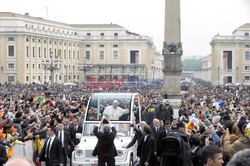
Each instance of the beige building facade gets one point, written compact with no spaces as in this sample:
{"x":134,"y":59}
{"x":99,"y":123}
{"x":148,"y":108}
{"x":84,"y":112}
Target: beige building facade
{"x":37,"y":50}
{"x":207,"y":68}
{"x":231,"y":57}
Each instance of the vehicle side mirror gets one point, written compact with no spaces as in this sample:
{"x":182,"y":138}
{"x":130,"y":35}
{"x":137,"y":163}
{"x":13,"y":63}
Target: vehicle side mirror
{"x":78,"y":135}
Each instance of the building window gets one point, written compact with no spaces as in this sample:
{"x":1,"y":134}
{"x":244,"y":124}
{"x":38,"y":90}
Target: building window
{"x":11,"y":78}
{"x":65,"y":55}
{"x":102,"y":34}
{"x":33,"y":66}
{"x":27,"y":66}
{"x":69,"y":77}
{"x":33,"y":40}
{"x":115,"y":55}
{"x":60,"y":77}
{"x":27,"y":78}
{"x":78,"y":55}
{"x":55,"y":53}
{"x":50,"y":52}
{"x":39,"y":66}
{"x":39,"y":78}
{"x":115,"y":45}
{"x":115,"y":34}
{"x":247,"y":67}
{"x":60,"y":53}
{"x":11,"y":51}
{"x":27,"y":39}
{"x":11,"y":66}
{"x":247,"y":78}
{"x":87,"y":45}
{"x":33,"y":51}
{"x":101,"y":45}
{"x":101,"y":55}
{"x":39,"y":52}
{"x":11,"y":39}
{"x":247,"y":55}
{"x":69,"y":55}
{"x":44,"y":53}
{"x":78,"y":77}
{"x":246,"y":34}
{"x":87,"y":55}
{"x":27,"y":51}
{"x":88,"y":34}
{"x":247,"y":46}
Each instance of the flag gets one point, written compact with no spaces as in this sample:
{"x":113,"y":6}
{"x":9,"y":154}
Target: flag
{"x":10,"y":152}
{"x":37,"y":150}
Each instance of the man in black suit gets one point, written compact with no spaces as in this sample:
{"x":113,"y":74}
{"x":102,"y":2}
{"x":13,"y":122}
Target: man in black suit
{"x":67,"y":143}
{"x":156,"y":129}
{"x":67,"y":124}
{"x":145,"y":149}
{"x":105,"y":148}
{"x":3,"y":155}
{"x":51,"y":152}
{"x":75,"y":128}
{"x":196,"y":150}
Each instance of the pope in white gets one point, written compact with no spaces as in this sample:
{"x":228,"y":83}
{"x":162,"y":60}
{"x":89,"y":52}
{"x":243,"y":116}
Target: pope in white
{"x":114,"y":112}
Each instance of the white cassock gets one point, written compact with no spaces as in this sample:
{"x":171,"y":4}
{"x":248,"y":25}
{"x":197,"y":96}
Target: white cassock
{"x":114,"y":113}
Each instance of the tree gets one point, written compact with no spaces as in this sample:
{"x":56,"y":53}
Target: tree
{"x":192,"y":64}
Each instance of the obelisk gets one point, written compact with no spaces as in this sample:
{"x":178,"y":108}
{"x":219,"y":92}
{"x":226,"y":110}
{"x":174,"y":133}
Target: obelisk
{"x":172,"y":52}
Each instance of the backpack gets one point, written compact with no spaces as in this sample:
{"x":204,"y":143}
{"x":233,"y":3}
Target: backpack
{"x":174,"y":150}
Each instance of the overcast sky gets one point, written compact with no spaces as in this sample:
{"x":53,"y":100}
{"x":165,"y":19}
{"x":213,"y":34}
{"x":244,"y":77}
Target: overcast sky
{"x":201,"y":19}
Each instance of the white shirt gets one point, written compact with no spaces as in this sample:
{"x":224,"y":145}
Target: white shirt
{"x":193,"y":151}
{"x":145,"y":138}
{"x":114,"y":113}
{"x":51,"y":142}
{"x":62,"y":140}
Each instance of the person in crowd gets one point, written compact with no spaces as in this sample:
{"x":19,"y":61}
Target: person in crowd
{"x":239,"y":143}
{"x":3,"y":155}
{"x":196,"y":150}
{"x":212,"y":156}
{"x":76,"y":128}
{"x":138,"y":134}
{"x":52,"y":152}
{"x":145,"y":149}
{"x":241,"y":158}
{"x":105,"y":148}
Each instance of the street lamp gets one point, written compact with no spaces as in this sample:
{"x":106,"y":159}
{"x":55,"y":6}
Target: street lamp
{"x":85,"y":67}
{"x":51,"y":65}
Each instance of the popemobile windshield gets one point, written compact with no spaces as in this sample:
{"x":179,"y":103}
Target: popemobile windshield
{"x":122,"y":109}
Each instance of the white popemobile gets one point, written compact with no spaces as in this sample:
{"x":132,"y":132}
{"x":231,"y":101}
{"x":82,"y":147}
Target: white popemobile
{"x":123,"y":109}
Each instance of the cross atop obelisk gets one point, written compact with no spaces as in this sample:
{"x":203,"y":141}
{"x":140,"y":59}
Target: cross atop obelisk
{"x":172,"y":51}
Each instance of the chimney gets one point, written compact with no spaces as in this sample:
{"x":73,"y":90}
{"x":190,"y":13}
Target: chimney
{"x":27,"y":14}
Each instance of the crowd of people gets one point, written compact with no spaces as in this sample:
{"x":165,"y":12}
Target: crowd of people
{"x":213,"y":123}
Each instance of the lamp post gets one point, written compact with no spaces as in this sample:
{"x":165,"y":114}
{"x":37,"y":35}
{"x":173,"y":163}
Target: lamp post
{"x":51,"y":65}
{"x":85,"y":67}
